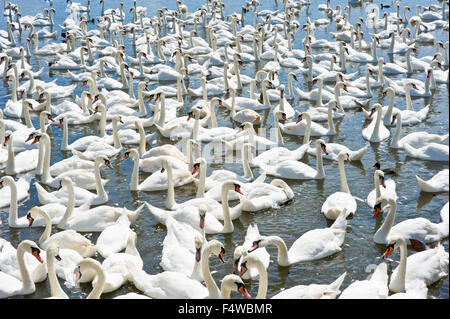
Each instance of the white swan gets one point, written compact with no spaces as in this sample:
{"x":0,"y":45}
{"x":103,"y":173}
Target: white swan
{"x":388,"y":189}
{"x":159,"y":179}
{"x":376,"y":131}
{"x":311,"y":291}
{"x":68,"y":239}
{"x":189,"y":212}
{"x":11,"y":286}
{"x":81,"y":177}
{"x":93,"y":219}
{"x":429,"y":152}
{"x":313,"y":245}
{"x":292,"y":169}
{"x":23,"y":162}
{"x":414,"y":139}
{"x":414,"y":228}
{"x":115,"y":267}
{"x":437,"y":183}
{"x":338,"y":201}
{"x":427,"y":266}
{"x":114,"y":238}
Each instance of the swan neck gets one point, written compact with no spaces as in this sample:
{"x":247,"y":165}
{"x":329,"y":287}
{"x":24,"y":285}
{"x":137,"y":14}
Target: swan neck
{"x":211,"y":285}
{"x":228,"y":225}
{"x":344,"y":185}
{"x":101,"y":281}
{"x":28,"y":283}
{"x":12,"y":218}
{"x":389,"y":220}
{"x":70,"y":206}
{"x":306,"y":137}
{"x":408,"y":99}
{"x":202,"y":181}
{"x":170,"y":188}
{"x":319,"y":162}
{"x":283,"y":255}
{"x":134,"y":185}
{"x":263,"y":281}
{"x":398,"y":283}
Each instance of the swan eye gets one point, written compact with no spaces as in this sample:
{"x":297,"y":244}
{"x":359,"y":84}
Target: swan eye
{"x":1,"y":184}
{"x":241,"y":288}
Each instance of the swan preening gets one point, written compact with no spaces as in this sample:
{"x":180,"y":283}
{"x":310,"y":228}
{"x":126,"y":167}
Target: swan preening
{"x":230,"y":153}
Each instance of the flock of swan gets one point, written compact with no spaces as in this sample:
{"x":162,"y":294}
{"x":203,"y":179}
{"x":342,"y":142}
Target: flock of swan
{"x":169,"y":57}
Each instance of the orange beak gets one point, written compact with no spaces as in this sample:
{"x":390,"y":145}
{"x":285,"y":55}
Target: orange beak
{"x":388,"y":251}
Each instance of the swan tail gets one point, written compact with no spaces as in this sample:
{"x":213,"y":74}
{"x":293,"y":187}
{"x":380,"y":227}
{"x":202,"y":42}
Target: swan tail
{"x":301,"y":151}
{"x":380,"y":274}
{"x":356,"y":155}
{"x":362,"y":103}
{"x":261,"y":178}
{"x":44,"y":196}
{"x":335,"y":285}
{"x":424,"y":186}
{"x":136,"y":213}
{"x":341,"y":222}
{"x":444,"y":137}
{"x":366,"y":114}
{"x":159,"y":214}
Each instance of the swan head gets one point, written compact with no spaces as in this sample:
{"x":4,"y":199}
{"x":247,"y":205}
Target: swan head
{"x":388,"y":91}
{"x":65,"y":182}
{"x":245,"y":126}
{"x":249,"y":261}
{"x":198,"y":163}
{"x":130,"y":152}
{"x":397,"y":241}
{"x":280,"y":115}
{"x":117,"y":118}
{"x":8,"y":135}
{"x":234,"y":283}
{"x":53,"y":251}
{"x":217,"y":249}
{"x":262,"y":241}
{"x":6,"y":181}
{"x":202,"y":209}
{"x":380,"y":174}
{"x":31,"y":247}
{"x":83,"y":266}
{"x":32,"y":213}
{"x":344,"y":155}
{"x":322,"y":145}
{"x":103,"y":159}
{"x":397,"y":115}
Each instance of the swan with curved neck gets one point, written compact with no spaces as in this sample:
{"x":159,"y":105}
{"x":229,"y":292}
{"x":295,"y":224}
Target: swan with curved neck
{"x":376,"y":131}
{"x":292,"y":169}
{"x":316,"y":291}
{"x":9,"y":285}
{"x":410,"y":229}
{"x":91,"y":264}
{"x":313,"y":245}
{"x":338,"y":201}
{"x":68,"y":239}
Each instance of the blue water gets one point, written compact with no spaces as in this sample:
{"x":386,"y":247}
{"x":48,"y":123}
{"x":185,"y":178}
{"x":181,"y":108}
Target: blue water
{"x":288,"y":222}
